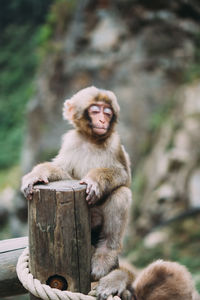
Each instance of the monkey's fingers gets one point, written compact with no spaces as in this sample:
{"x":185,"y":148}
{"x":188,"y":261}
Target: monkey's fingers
{"x":43,"y":179}
{"x":84,"y":181}
{"x":89,"y":190}
{"x":28,"y":192}
{"x":90,"y":195}
{"x":116,"y":298}
{"x":126,"y":295}
{"x":89,"y":185}
{"x":108,"y":297}
{"x":91,"y":198}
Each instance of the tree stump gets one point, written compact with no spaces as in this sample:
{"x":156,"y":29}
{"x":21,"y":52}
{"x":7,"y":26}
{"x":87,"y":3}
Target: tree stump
{"x":60,"y":236}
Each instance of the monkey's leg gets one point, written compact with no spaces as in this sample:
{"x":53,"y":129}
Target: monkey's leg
{"x":115,"y":215}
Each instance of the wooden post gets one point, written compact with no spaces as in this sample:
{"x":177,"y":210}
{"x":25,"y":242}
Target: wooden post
{"x":59,"y":236}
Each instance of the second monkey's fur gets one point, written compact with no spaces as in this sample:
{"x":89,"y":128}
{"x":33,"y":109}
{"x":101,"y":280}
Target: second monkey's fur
{"x":165,"y":280}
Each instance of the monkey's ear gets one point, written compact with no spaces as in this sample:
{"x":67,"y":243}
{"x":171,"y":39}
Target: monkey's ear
{"x":68,"y":110}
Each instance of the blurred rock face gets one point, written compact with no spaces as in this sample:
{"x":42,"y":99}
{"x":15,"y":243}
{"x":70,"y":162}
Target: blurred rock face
{"x":137,"y":51}
{"x":140,"y":50}
{"x":171,"y":171}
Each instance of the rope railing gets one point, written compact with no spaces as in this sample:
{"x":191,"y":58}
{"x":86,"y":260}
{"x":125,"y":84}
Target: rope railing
{"x":44,"y":291}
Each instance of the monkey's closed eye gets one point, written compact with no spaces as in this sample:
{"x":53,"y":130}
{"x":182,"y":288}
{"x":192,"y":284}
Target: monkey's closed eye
{"x":108,"y":111}
{"x":94,"y":109}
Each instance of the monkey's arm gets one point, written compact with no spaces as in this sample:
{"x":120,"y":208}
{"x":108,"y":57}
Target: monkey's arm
{"x":50,"y":171}
{"x":44,"y":172}
{"x":102,"y":181}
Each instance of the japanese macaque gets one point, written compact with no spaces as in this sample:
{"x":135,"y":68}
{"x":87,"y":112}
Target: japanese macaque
{"x":165,"y":280}
{"x":93,"y":154}
{"x":161,"y":280}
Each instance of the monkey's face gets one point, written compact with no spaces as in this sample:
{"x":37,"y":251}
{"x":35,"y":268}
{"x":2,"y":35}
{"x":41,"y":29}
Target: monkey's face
{"x":100,"y":115}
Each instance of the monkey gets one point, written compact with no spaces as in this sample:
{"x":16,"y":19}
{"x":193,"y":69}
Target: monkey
{"x":93,"y":154}
{"x":163,"y":280}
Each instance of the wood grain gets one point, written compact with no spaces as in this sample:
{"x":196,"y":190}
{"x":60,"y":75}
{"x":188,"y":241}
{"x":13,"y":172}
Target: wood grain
{"x":59,"y":234}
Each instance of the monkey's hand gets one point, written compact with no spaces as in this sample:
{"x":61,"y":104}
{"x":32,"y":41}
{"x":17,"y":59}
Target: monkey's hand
{"x":29,"y":180}
{"x":115,"y":284}
{"x":92,"y":191}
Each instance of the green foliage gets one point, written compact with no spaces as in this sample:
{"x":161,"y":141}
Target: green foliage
{"x":44,"y":34}
{"x":19,"y":22}
{"x":22,"y":34}
{"x":182,"y":245}
{"x":139,"y":182}
{"x":16,"y":75}
{"x":138,"y":186}
{"x":196,"y":278}
{"x":22,"y":12}
{"x":156,"y":121}
{"x":60,"y":14}
{"x":161,"y":115}
{"x":141,"y":256}
{"x":55,"y":26}
{"x":10,"y":176}
{"x":5,"y":234}
{"x":192,"y":73}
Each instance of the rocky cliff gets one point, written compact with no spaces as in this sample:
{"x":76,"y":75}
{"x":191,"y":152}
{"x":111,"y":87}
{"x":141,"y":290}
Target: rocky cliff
{"x":167,"y":185}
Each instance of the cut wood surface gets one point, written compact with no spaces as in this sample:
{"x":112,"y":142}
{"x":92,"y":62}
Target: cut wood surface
{"x":59,"y":236}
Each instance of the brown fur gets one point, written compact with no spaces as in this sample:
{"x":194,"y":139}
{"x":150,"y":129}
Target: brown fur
{"x":165,"y":280}
{"x":102,"y":163}
{"x":161,"y":280}
{"x":118,"y":282}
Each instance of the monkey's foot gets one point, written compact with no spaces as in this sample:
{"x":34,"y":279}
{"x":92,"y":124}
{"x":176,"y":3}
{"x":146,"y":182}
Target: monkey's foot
{"x":115,"y":283}
{"x":103,"y":261}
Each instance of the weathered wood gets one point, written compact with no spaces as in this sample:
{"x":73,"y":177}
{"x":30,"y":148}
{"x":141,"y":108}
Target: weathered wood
{"x":10,"y":250}
{"x":59,"y":235}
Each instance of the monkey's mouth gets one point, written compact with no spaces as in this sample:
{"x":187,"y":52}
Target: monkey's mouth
{"x":100,"y":130}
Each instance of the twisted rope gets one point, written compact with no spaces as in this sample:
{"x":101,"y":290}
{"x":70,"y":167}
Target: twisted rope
{"x":43,"y":291}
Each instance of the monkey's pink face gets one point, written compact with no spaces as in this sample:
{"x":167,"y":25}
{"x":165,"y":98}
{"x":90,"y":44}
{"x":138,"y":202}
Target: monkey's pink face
{"x":101,"y":114}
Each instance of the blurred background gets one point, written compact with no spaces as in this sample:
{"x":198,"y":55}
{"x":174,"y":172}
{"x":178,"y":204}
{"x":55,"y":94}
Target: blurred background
{"x":148,"y":53}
